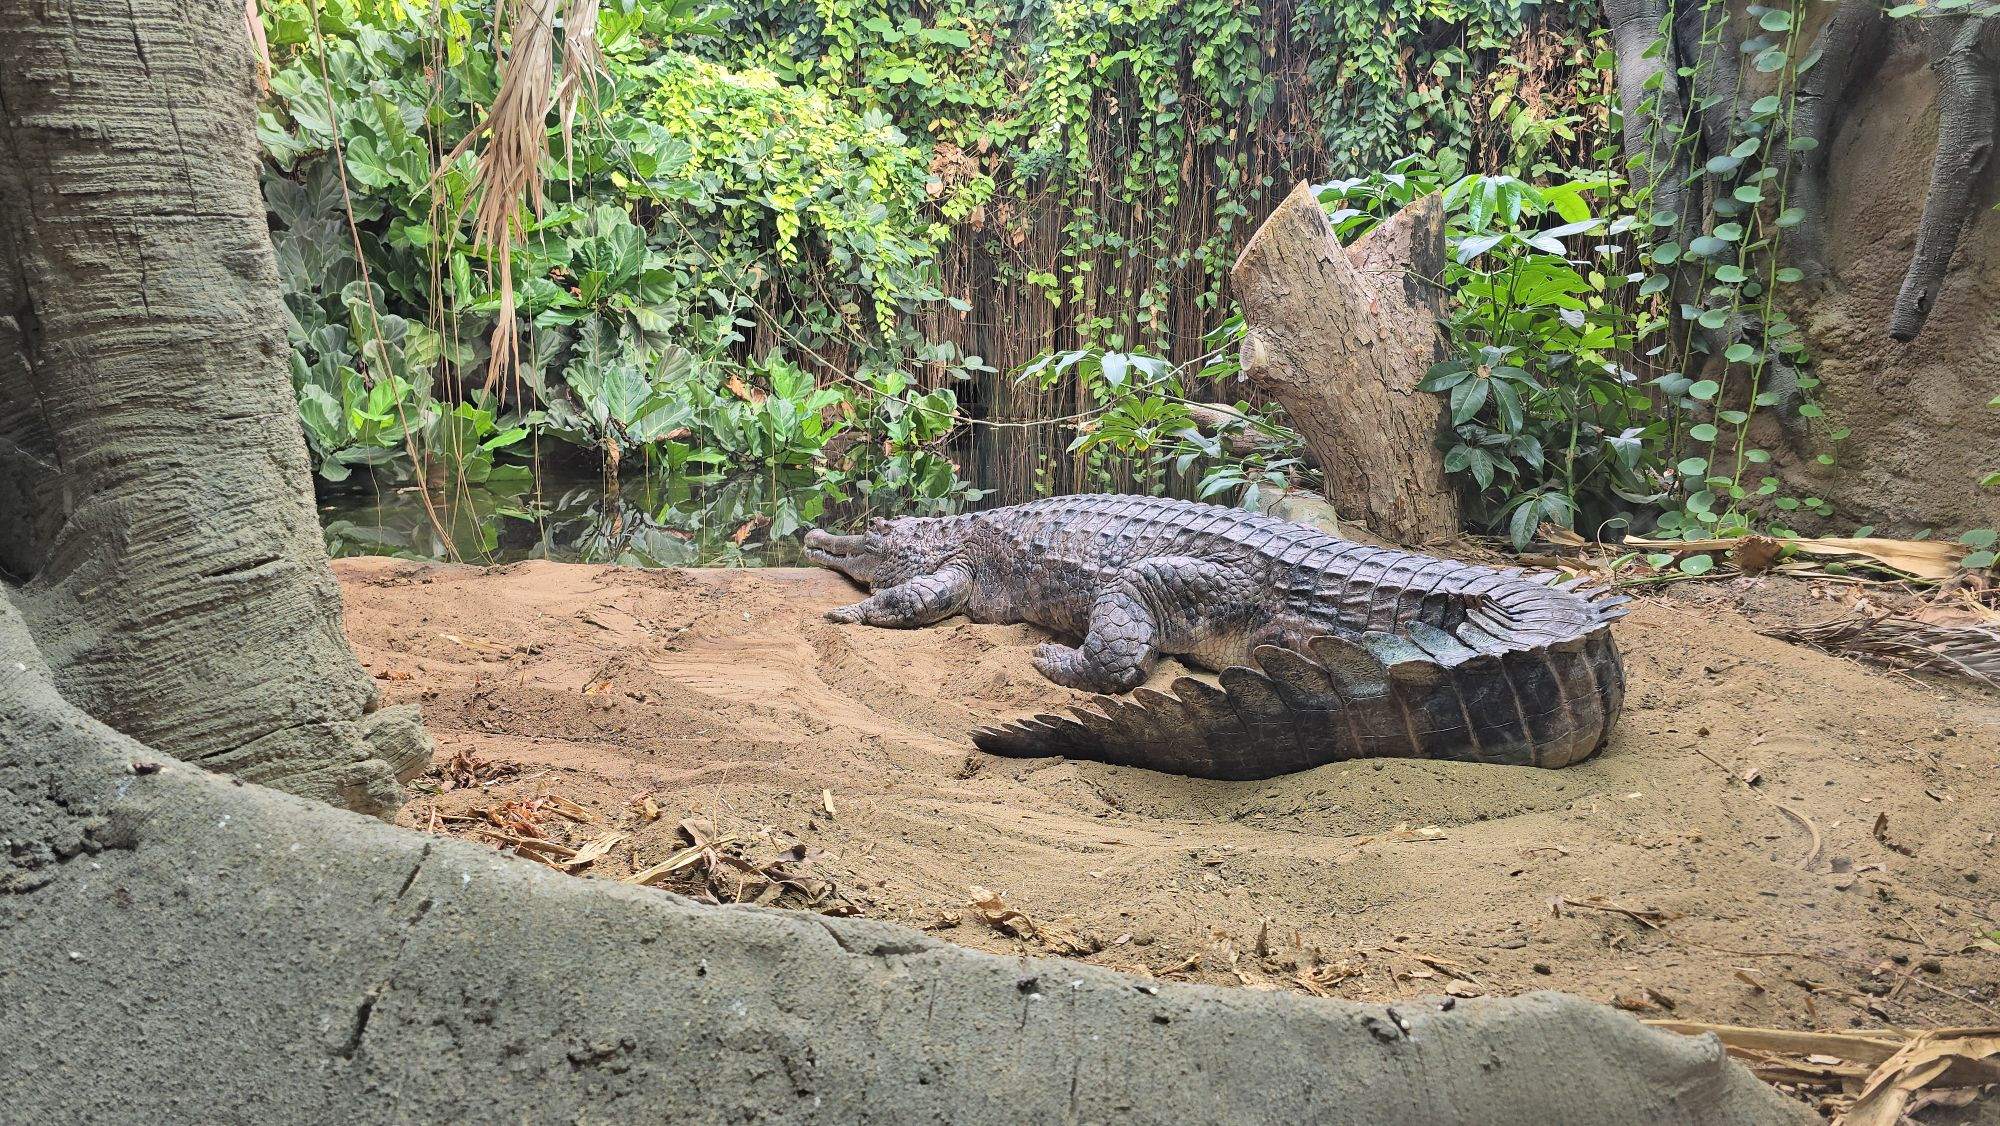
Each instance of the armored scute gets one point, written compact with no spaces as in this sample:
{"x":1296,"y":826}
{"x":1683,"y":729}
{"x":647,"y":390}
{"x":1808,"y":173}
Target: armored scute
{"x":1326,"y":649}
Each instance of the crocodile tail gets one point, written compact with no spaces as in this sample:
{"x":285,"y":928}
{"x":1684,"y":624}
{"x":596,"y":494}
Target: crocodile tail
{"x":1483,"y":693}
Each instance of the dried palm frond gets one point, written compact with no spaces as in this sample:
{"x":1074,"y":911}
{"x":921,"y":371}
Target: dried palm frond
{"x":583,"y":63}
{"x":1972,"y":652}
{"x":1870,"y":1077}
{"x":508,"y":172}
{"x":261,"y":47}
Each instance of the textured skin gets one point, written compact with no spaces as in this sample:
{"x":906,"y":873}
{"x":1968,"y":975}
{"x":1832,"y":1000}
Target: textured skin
{"x":1326,"y":649}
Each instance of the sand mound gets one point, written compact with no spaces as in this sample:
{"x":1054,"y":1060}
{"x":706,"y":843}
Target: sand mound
{"x":723,"y":697}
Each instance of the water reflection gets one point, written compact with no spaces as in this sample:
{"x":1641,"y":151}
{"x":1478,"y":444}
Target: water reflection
{"x":651,"y":520}
{"x":569,"y":513}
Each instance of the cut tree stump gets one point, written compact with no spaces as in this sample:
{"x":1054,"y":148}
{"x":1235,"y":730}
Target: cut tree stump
{"x":1341,"y":338}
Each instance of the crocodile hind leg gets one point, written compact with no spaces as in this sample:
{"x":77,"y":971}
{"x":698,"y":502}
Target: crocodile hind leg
{"x":1126,"y":635}
{"x":919,"y":602}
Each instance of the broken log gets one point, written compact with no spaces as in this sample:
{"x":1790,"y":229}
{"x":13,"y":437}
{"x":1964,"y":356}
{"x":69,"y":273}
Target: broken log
{"x":1341,"y":338}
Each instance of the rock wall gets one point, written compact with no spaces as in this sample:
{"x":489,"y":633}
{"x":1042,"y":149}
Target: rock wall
{"x":1922,"y":432}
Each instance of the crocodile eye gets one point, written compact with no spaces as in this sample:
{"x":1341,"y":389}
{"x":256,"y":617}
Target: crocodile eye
{"x":878,"y":526}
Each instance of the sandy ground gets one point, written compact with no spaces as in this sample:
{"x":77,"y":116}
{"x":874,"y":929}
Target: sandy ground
{"x":1725,"y":859}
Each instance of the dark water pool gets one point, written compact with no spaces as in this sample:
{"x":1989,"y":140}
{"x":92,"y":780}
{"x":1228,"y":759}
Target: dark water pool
{"x":649,"y":520}
{"x":558,"y":510}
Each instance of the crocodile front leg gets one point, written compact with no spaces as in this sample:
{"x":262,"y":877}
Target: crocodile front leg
{"x":1127,"y":634}
{"x":919,"y":602}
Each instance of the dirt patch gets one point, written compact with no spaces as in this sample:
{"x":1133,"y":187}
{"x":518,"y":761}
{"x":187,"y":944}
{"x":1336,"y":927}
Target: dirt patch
{"x":1850,"y":880}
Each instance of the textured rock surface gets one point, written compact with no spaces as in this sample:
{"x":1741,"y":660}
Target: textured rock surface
{"x":1923,"y":435}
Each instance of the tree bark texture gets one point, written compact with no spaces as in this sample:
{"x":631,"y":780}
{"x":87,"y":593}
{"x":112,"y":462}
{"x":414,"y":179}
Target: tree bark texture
{"x":1849,"y":39}
{"x":1341,"y":338}
{"x":182,"y":593}
{"x":1636,"y":26}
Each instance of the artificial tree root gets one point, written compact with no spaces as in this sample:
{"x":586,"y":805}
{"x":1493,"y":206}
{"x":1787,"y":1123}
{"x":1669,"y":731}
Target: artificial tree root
{"x":1965,"y":57}
{"x":1665,"y":167}
{"x":1709,"y":46}
{"x":1855,"y":24}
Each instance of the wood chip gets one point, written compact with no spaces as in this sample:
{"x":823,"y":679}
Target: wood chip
{"x":594,"y":851}
{"x":685,"y":858}
{"x":1880,"y":831}
{"x":1650,"y":917}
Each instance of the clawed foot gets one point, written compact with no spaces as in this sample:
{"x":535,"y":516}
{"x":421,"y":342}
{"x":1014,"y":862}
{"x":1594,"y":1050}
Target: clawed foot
{"x":845,"y":614}
{"x":1058,"y":663}
{"x":1071,"y":669}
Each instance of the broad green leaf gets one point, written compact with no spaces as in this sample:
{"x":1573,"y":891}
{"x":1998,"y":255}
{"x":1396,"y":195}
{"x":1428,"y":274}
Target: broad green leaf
{"x":1467,"y":398}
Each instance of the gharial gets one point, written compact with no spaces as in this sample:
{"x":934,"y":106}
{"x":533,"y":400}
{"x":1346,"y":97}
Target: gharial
{"x":1326,"y":649}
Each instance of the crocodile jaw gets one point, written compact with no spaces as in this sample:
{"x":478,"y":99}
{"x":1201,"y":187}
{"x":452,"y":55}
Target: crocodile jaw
{"x":847,"y":554}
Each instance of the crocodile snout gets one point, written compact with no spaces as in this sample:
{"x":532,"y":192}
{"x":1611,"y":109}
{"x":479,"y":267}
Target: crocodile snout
{"x":846,"y":554}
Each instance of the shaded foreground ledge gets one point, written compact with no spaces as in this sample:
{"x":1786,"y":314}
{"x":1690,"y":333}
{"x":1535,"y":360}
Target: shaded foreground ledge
{"x":174,"y":947}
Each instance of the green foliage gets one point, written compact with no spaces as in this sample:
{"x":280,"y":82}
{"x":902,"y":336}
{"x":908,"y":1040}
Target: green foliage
{"x":705,"y":229}
{"x":1981,"y":540}
{"x":1385,"y":83}
{"x":1549,"y":424}
{"x":1602,"y":373}
{"x":1159,"y":130}
{"x":1143,"y":414}
{"x":1739,"y":352}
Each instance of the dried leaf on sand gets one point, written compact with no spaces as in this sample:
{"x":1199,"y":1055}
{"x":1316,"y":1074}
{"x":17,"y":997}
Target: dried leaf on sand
{"x":594,"y":851}
{"x":715,"y":867}
{"x":1874,"y":1076}
{"x":465,"y":770}
{"x":1059,"y":938}
{"x":1924,"y":559}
